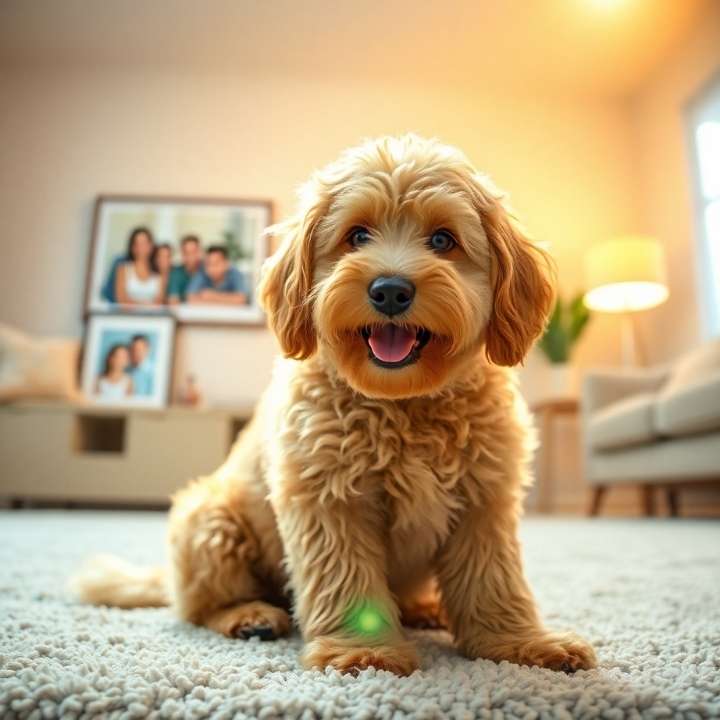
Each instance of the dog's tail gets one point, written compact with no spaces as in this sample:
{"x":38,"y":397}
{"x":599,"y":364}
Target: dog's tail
{"x":109,"y":580}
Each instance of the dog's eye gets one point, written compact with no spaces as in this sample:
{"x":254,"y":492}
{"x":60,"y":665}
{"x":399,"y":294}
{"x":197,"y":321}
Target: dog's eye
{"x":441,"y":241}
{"x":358,"y":236}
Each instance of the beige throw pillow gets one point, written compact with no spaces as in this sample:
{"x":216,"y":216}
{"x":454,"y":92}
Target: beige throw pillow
{"x":695,"y":366}
{"x":37,"y":368}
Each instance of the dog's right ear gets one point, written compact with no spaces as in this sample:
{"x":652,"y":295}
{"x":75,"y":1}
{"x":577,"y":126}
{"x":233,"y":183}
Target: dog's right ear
{"x":286,"y":283}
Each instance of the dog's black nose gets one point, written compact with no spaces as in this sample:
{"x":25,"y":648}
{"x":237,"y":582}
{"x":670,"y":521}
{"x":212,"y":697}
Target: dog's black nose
{"x":391,"y":295}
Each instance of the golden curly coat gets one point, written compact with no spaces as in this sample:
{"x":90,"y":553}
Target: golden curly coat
{"x":369,"y":491}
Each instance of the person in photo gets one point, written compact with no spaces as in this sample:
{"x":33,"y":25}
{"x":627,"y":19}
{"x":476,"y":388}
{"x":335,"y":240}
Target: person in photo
{"x":140,"y":369}
{"x":138,"y":281}
{"x":114,"y":383}
{"x":162,"y":258}
{"x":107,"y":291}
{"x":220,"y":284}
{"x":182,"y":274}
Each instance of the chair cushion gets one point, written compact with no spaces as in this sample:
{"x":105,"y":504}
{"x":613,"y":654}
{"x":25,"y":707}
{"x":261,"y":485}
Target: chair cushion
{"x":681,"y":459}
{"x":626,"y":422}
{"x":689,"y":408}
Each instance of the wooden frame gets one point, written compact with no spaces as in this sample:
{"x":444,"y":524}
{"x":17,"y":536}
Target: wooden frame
{"x":709,"y":316}
{"x":220,"y":315}
{"x":647,"y":489}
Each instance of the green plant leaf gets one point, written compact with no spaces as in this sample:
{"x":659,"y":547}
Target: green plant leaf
{"x":579,"y":315}
{"x":566,"y":324}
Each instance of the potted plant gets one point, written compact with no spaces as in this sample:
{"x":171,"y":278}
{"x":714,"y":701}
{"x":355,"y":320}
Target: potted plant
{"x":566,"y":325}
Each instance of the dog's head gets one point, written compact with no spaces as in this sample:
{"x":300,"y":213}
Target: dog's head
{"x":401,"y":265}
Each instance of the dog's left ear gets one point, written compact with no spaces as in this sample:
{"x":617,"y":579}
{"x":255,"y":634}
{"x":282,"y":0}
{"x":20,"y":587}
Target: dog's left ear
{"x":285,"y":288}
{"x":524,"y":284}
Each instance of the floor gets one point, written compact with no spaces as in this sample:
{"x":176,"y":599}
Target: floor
{"x":645,"y":592}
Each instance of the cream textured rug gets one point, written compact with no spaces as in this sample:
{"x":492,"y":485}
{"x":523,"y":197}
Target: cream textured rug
{"x":646,"y":593}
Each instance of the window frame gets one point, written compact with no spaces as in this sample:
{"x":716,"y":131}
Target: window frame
{"x":708,"y":290}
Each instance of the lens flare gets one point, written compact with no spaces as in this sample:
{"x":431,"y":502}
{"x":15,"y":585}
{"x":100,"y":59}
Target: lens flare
{"x":366,"y":618}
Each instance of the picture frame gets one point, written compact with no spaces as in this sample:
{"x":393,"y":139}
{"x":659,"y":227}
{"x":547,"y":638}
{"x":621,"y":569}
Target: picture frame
{"x":195,"y":258}
{"x":128,"y":359}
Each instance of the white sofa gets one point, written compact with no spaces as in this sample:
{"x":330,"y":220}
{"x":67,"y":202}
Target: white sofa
{"x":654,"y":427}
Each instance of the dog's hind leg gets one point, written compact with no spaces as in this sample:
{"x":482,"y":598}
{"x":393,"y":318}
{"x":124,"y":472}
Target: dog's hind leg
{"x":250,"y":619}
{"x":422,"y":607}
{"x":226,"y":559}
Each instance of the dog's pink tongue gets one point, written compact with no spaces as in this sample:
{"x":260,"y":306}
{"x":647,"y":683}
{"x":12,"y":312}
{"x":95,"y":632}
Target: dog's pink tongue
{"x":391,"y":343}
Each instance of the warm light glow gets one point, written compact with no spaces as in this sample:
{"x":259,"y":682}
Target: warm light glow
{"x":626,"y":297}
{"x":625,"y":275}
{"x":607,"y":4}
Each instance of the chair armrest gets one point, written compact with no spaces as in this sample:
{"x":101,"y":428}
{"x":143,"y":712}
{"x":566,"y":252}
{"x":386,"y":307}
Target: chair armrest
{"x":604,"y":387}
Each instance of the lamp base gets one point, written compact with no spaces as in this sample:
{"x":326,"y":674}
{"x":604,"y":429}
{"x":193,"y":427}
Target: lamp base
{"x":631,"y":348}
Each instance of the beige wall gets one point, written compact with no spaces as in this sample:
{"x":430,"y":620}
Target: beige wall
{"x":661,"y":143}
{"x":71,"y":133}
{"x":579,"y":169}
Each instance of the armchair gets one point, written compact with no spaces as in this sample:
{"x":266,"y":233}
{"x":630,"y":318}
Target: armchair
{"x":653,"y":427}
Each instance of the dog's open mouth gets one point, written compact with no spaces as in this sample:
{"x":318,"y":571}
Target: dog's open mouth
{"x":395,"y":346}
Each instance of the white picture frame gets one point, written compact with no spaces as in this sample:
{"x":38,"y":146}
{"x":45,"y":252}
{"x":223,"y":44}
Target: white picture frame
{"x":127,"y":360}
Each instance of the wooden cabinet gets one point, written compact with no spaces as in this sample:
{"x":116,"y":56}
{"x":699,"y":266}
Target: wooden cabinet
{"x":63,"y":452}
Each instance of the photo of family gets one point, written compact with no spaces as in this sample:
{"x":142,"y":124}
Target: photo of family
{"x":127,"y":360}
{"x":197,"y":259}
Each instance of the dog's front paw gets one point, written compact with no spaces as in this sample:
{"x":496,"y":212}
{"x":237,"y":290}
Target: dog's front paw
{"x":323,"y":652}
{"x":557,"y":651}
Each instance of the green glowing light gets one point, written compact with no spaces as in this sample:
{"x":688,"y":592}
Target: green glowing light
{"x":366,"y":618}
{"x":369,"y":621}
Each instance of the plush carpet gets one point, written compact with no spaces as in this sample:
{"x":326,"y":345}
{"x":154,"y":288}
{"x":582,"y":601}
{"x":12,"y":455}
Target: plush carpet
{"x":646,"y":593}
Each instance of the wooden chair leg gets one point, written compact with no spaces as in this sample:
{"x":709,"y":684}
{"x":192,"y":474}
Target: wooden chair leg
{"x":597,"y":498}
{"x":648,"y":499}
{"x":671,"y":495}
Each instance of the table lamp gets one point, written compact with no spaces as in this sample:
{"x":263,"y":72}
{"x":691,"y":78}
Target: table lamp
{"x":626,"y":275}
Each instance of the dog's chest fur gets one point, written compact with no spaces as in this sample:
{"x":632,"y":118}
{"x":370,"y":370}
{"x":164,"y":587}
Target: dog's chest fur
{"x":420,"y":460}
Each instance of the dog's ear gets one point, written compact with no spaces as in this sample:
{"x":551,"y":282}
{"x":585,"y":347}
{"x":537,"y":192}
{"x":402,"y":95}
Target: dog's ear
{"x":524,"y":289}
{"x":286,"y":283}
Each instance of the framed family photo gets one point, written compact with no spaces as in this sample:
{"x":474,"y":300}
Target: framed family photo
{"x":127,"y":360}
{"x":195,"y":258}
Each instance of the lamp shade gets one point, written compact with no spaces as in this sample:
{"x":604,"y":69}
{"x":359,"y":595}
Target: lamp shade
{"x":625,"y":275}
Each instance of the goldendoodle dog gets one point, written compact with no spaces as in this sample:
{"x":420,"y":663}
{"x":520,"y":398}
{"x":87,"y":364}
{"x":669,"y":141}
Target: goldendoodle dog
{"x":380,"y":481}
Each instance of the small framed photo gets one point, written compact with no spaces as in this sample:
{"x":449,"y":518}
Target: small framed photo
{"x":196,"y":258}
{"x":127,"y":360}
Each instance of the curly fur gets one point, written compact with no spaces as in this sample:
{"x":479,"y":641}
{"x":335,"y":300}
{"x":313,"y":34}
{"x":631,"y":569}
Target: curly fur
{"x":355,"y":482}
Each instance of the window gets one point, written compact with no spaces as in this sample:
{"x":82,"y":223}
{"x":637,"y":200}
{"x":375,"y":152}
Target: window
{"x":705,"y":144}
